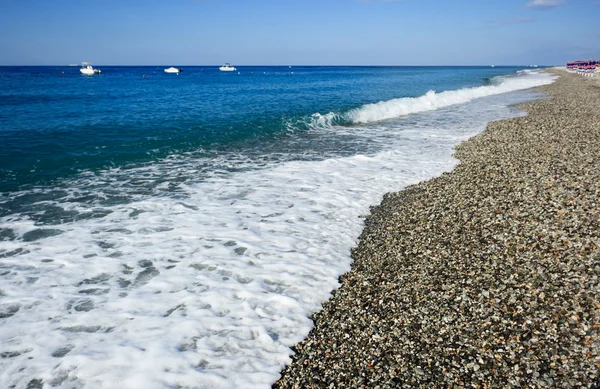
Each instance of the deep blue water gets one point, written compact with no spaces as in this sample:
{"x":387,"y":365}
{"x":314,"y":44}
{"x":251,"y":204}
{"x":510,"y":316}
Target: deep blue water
{"x":56,"y":122}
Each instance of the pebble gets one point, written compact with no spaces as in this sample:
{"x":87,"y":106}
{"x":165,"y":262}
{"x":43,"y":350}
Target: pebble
{"x":485,"y":277}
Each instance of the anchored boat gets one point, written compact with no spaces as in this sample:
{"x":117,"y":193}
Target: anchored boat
{"x":227,"y":68}
{"x":88,"y":70}
{"x":173,"y":70}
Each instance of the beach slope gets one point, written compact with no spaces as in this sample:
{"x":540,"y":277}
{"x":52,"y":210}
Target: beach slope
{"x":488,"y":276}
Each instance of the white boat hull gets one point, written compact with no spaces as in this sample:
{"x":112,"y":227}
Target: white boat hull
{"x":89,"y":72}
{"x":172,"y":70}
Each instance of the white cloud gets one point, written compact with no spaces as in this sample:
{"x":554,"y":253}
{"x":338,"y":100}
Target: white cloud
{"x":544,"y":4}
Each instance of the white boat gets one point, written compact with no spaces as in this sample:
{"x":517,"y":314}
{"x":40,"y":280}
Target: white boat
{"x":227,"y":68}
{"x":173,"y":70}
{"x":87,"y":69}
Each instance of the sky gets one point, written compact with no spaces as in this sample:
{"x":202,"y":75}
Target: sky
{"x":298,"y":32}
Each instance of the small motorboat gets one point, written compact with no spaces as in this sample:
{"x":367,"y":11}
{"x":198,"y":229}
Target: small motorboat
{"x":87,"y":69}
{"x":227,"y":68}
{"x":173,"y":70}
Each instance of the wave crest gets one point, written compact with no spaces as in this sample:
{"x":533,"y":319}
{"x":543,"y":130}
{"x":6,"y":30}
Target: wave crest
{"x":432,"y":100}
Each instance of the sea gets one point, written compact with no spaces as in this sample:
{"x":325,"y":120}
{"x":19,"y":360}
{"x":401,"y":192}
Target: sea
{"x":178,"y":230}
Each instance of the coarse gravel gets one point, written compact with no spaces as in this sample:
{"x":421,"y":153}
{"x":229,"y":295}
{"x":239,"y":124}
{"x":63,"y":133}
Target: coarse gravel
{"x":485,"y":277}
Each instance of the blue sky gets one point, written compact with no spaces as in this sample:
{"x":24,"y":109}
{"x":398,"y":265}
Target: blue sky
{"x":298,"y":32}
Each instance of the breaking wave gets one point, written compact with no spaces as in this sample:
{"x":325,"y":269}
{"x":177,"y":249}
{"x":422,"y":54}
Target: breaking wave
{"x":384,"y":110}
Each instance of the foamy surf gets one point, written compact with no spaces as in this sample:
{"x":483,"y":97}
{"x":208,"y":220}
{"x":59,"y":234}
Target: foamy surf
{"x":204,"y":283}
{"x":432,"y":100}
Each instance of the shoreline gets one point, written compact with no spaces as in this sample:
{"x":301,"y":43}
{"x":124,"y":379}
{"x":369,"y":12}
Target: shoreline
{"x":487,"y":276}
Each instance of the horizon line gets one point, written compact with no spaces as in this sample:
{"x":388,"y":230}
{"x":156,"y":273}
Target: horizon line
{"x":286,"y":65}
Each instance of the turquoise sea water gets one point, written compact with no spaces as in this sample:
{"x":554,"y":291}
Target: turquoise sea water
{"x":54,"y":125}
{"x":162,"y":230}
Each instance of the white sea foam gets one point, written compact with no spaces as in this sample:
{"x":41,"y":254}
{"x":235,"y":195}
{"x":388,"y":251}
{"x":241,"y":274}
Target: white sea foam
{"x":208,"y":285}
{"x":432,"y":100}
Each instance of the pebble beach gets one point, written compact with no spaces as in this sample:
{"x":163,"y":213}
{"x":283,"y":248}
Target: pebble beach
{"x":485,"y":277}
